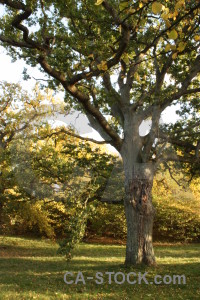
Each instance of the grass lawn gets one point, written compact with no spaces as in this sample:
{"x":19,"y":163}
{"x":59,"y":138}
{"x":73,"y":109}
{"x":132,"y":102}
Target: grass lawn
{"x":31,"y":269}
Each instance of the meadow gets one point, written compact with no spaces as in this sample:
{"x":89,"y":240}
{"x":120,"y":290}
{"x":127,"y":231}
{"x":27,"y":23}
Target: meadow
{"x":31,"y":269}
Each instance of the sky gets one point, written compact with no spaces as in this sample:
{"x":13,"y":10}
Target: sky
{"x":12,"y":73}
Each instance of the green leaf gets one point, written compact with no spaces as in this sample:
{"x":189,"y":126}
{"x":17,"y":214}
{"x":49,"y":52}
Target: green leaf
{"x":181,"y":46}
{"x":157,"y":7}
{"x":123,"y":5}
{"x":99,"y":2}
{"x":173,"y":35}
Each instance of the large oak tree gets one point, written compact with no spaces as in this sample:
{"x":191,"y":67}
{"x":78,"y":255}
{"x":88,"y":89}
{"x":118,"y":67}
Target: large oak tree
{"x":121,"y":63}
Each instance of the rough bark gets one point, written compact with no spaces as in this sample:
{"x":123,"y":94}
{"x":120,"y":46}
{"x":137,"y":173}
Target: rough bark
{"x":139,"y":213}
{"x":138,"y":206}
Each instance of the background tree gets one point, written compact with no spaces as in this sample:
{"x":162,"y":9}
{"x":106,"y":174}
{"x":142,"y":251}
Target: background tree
{"x":18,"y":112}
{"x":129,"y":60}
{"x":47,"y":174}
{"x":21,"y":117}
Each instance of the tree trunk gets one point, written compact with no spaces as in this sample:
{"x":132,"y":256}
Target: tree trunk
{"x":138,"y":206}
{"x":139,"y":213}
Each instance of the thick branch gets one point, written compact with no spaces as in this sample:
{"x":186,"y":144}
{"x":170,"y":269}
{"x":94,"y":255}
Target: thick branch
{"x":15,"y":43}
{"x":84,"y":100}
{"x":160,"y":75}
{"x":95,"y":124}
{"x":115,"y":98}
{"x":150,"y":139}
{"x":192,"y":73}
{"x":16,"y":23}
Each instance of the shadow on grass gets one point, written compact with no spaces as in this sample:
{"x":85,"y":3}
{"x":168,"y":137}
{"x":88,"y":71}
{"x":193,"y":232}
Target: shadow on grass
{"x":82,"y":250}
{"x":20,"y":251}
{"x":43,"y":277}
{"x":39,"y":271}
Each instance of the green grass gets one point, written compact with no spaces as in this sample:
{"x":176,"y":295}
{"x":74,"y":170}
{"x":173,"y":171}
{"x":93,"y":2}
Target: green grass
{"x":31,"y":269}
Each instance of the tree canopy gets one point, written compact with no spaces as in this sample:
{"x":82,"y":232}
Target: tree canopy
{"x":113,"y":56}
